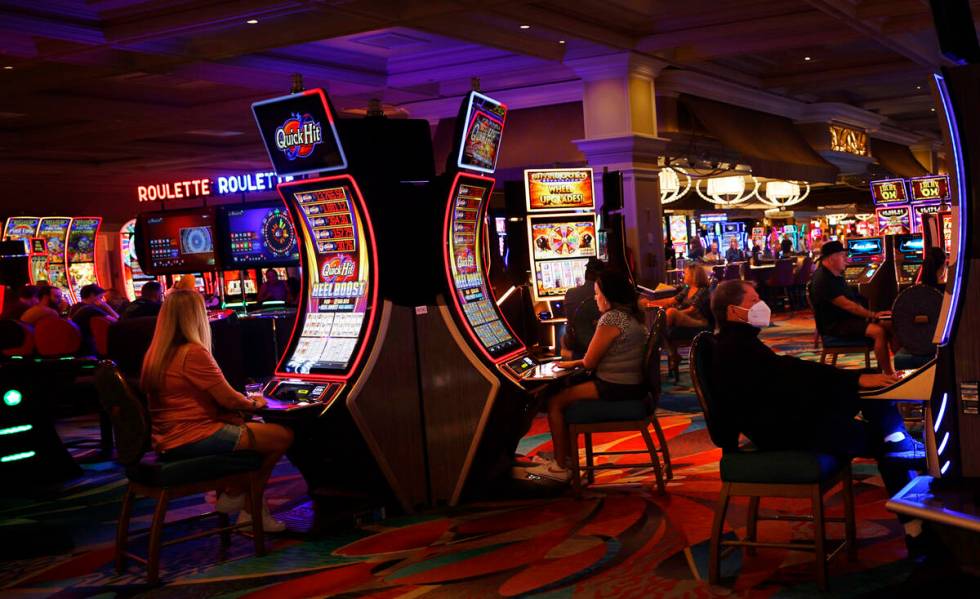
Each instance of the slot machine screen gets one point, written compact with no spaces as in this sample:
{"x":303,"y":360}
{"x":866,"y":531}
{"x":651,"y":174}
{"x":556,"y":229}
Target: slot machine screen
{"x":482,"y":133}
{"x":553,"y":278}
{"x":911,"y":246}
{"x":340,"y":291}
{"x":21,"y":228}
{"x":54,"y":232}
{"x":179,"y":241}
{"x":863,"y":249}
{"x":259,"y":236}
{"x":465,"y":261}
{"x":81,"y":239}
{"x":557,"y":239}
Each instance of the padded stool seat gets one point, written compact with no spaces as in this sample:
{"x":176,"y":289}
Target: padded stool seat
{"x":157,"y":471}
{"x":906,"y":361}
{"x":831,"y":341}
{"x":779,"y":467}
{"x":587,"y":412}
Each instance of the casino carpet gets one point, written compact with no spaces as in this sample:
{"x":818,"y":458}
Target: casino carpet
{"x":621,"y":540}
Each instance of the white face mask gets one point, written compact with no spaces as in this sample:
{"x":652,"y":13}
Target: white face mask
{"x":759,"y":314}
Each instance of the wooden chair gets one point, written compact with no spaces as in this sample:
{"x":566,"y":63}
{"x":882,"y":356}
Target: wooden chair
{"x":758,"y":474}
{"x":835,"y":346}
{"x":587,"y":417}
{"x":149,"y":476}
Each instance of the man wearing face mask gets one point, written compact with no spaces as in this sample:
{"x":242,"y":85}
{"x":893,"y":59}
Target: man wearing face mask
{"x":785,"y":403}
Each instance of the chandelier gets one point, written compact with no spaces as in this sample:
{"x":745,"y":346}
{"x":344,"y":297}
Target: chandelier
{"x":727,"y":191}
{"x":671,"y":189}
{"x":780,"y":194}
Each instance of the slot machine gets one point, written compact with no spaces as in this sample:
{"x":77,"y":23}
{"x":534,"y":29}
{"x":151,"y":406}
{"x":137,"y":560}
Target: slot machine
{"x":176,"y":243}
{"x":80,"y":252}
{"x":20,"y":228}
{"x":132,"y":274}
{"x":678,"y":234}
{"x":869,"y":269}
{"x":909,"y":253}
{"x":927,"y":195}
{"x":52,"y":231}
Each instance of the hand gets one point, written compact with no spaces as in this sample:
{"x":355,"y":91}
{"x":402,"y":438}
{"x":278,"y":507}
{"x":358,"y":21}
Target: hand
{"x":873,"y":381}
{"x":259,"y":399}
{"x":563,"y":364}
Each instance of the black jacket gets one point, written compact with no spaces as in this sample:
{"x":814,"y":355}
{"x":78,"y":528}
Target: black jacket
{"x":778,"y":402}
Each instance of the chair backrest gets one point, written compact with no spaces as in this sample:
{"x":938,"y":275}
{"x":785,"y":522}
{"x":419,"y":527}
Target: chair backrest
{"x":733,"y":271}
{"x":782,"y":274}
{"x":914,"y":316}
{"x":651,"y":360}
{"x":127,"y":342}
{"x":16,"y":338}
{"x":99,"y":325}
{"x":583,"y":323}
{"x":127,"y":411}
{"x":55,"y":337}
{"x":804,"y":272}
{"x":722,"y":433}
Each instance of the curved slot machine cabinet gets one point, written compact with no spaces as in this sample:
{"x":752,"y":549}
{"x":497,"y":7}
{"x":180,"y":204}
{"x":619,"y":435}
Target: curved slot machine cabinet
{"x":948,"y":498}
{"x":17,"y":261}
{"x":909,"y":254}
{"x":132,"y":273}
{"x":48,"y":256}
{"x":80,"y":252}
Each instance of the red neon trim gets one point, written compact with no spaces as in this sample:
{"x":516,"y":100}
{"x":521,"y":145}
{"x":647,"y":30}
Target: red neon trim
{"x":122,"y":258}
{"x":447,"y":239}
{"x":326,"y":108}
{"x":95,"y":252}
{"x":372,"y":262}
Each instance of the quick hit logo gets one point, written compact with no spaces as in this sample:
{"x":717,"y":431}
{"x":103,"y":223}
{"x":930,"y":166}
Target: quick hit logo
{"x":297,"y":137}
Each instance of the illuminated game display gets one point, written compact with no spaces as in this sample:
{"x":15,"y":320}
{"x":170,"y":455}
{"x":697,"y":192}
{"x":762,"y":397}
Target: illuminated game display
{"x":177,"y":242}
{"x":54,"y":233}
{"x":259,"y":236}
{"x":21,"y":228}
{"x":471,"y":289}
{"x":133,"y":276}
{"x":889,"y":191}
{"x":337,"y":311}
{"x":928,"y":195}
{"x":894,"y":220}
{"x":909,"y":254}
{"x":484,"y":131}
{"x":560,"y":249}
{"x":299,"y":133}
{"x":678,"y":233}
{"x":80,"y":254}
{"x":863,"y":257}
{"x":559,"y":189}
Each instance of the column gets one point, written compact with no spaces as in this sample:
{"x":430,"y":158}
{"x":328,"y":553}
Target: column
{"x":619,"y":109}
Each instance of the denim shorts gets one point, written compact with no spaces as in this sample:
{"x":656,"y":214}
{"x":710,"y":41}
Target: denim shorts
{"x":223,"y":440}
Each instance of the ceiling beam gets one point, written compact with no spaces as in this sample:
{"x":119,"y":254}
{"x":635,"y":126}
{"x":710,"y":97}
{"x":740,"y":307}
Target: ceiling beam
{"x":868,"y":73}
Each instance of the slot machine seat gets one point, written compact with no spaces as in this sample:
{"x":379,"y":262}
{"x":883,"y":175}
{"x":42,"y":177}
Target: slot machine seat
{"x":56,"y":337}
{"x":100,"y":335}
{"x":835,"y":346}
{"x":149,"y":475}
{"x":781,"y":280}
{"x":759,"y":473}
{"x":16,"y":338}
{"x":587,"y":417}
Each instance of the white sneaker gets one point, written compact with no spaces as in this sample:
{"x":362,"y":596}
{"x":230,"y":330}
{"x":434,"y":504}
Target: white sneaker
{"x":551,"y":471}
{"x":269,"y":524}
{"x":229,"y":504}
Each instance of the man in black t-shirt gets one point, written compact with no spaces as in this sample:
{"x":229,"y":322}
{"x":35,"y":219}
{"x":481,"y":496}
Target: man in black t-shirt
{"x":840,"y":312}
{"x":93,"y":305}
{"x":148,"y":303}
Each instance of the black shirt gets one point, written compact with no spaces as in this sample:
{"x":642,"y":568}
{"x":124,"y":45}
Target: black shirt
{"x":141,"y":307}
{"x":786,"y":247}
{"x":778,"y":402}
{"x":734,"y":255}
{"x":83,"y":317}
{"x":824,"y":288}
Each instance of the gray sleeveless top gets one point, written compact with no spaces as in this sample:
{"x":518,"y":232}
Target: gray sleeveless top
{"x":623,"y":362}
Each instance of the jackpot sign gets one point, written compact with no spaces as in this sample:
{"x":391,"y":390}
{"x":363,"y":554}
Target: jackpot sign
{"x":889,"y":191}
{"x":930,"y":189}
{"x":559,"y":189}
{"x":297,"y":137}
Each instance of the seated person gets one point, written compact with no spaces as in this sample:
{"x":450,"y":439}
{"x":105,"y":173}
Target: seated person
{"x":756,"y":254}
{"x":615,"y":356}
{"x":93,"y":304}
{"x":49,"y":301}
{"x":752,"y":383}
{"x":670,"y":255}
{"x":786,"y":246}
{"x":581,"y":312}
{"x":148,"y":303}
{"x":26,"y":298}
{"x":934,"y":269}
{"x":839,"y":311}
{"x":194,"y":410}
{"x":273,"y":289}
{"x":713,"y":256}
{"x":688,"y":312}
{"x":733,"y":253}
{"x":695,"y":251}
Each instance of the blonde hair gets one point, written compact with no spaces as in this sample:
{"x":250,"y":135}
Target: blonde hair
{"x":699,"y":274}
{"x":182,"y":320}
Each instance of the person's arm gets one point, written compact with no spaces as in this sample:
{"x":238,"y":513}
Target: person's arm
{"x":853,"y":307}
{"x":109,"y":312}
{"x":601,"y":341}
{"x":203,"y":372}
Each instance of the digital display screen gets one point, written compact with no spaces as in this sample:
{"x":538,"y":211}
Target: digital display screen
{"x":559,"y":189}
{"x":930,"y":189}
{"x":910,"y":245}
{"x":54,"y":232}
{"x":20,"y":227}
{"x":259,"y":236}
{"x":299,"y":133}
{"x":889,"y":191}
{"x":339,"y":278}
{"x":923,"y":208}
{"x":133,"y":274}
{"x":947,"y":218}
{"x":81,"y":239}
{"x":179,"y":241}
{"x":82,"y":274}
{"x":553,"y":278}
{"x":482,"y":134}
{"x":563,"y":239}
{"x":894,"y":220}
{"x":467,"y":267}
{"x":864,"y":248}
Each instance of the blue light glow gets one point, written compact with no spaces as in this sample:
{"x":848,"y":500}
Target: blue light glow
{"x":944,"y":468}
{"x":942,"y":410}
{"x":17,"y":456}
{"x":954,"y":142}
{"x":942,"y":445}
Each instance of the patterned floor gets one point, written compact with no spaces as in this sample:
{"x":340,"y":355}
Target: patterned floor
{"x":619,"y":541}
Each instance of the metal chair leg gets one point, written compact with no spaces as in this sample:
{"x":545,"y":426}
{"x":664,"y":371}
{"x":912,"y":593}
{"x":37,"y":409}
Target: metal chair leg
{"x":714,"y":551}
{"x":255,"y":505}
{"x":122,"y":529}
{"x":156,"y":536}
{"x":654,"y":459}
{"x":752,"y":524}
{"x":589,"y":460}
{"x":850,"y":527}
{"x":663,"y":446}
{"x":819,"y":541}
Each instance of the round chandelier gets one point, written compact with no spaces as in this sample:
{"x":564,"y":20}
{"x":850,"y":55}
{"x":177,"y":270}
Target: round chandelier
{"x":671,"y":188}
{"x":727,"y":191}
{"x":780,"y":194}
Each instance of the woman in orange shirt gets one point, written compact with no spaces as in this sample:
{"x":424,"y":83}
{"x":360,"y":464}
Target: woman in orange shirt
{"x":194,"y":410}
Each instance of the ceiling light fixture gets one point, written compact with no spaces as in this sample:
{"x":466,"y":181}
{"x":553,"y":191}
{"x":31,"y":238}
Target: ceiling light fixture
{"x":525,"y":26}
{"x":561,"y":41}
{"x":918,"y":87}
{"x":252,"y":21}
{"x":780,"y":194}
{"x":671,"y":188}
{"x":8,"y":68}
{"x":727,"y":191}
{"x":807,"y":58}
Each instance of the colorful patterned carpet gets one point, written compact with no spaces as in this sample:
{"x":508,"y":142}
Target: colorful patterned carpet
{"x":621,"y":540}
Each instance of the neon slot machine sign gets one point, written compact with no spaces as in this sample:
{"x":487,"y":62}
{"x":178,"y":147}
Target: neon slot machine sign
{"x":82,"y":237}
{"x":54,"y":232}
{"x":559,"y":189}
{"x":470,"y":289}
{"x":484,"y":131}
{"x":339,"y":304}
